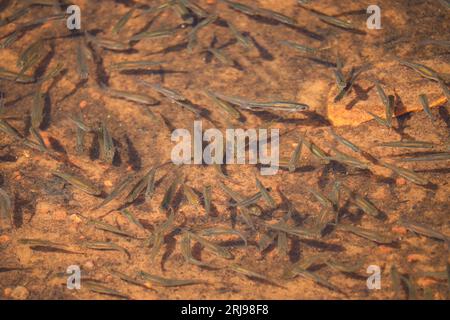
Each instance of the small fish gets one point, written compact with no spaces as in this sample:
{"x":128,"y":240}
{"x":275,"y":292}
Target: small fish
{"x":388,"y":103}
{"x":426,"y":106}
{"x":107,"y":148}
{"x":40,"y":243}
{"x":137,"y":64}
{"x":223,"y":105}
{"x":300,"y":232}
{"x":170,"y":193}
{"x":299,"y":47}
{"x":138,"y":187}
{"x":169,"y":93}
{"x":222,"y":57}
{"x":409,"y":282}
{"x":422,"y":229}
{"x":183,"y":12}
{"x":15,"y":15}
{"x":97,"y":287}
{"x":128,"y":279}
{"x":442,"y":43}
{"x":207,"y":199}
{"x":199,"y":11}
{"x":243,"y":40}
{"x":442,"y":156}
{"x":293,"y":161}
{"x":116,"y":191}
{"x":14,"y":76}
{"x":131,"y":96}
{"x":241,"y":7}
{"x":9,"y":130}
{"x":282,"y":244}
{"x":185,"y":248}
{"x":79,"y":183}
{"x":132,"y":218}
{"x":335,"y":21}
{"x":407,"y":174}
{"x":354,"y":74}
{"x":364,"y":204}
{"x":150,"y":189}
{"x":246,"y":213}
{"x":37,"y":111}
{"x":276,"y":16}
{"x":79,"y":122}
{"x":407,"y":144}
{"x":123,"y":21}
{"x":165,"y":282}
{"x":107,"y":43}
{"x":265,"y":194}
{"x":29,"y":52}
{"x":395,"y":279}
{"x":221,"y":231}
{"x":345,"y":141}
{"x":252,"y":274}
{"x":316,"y":278}
{"x":6,"y":210}
{"x":316,"y":151}
{"x":335,"y":265}
{"x":211,"y":247}
{"x":107,"y":227}
{"x":52,"y":73}
{"x":162,"y":33}
{"x":190,"y":195}
{"x":10,"y":39}
{"x":421,"y":69}
{"x":157,"y":238}
{"x":367,"y":234}
{"x":82,"y":67}
{"x":105,"y":246}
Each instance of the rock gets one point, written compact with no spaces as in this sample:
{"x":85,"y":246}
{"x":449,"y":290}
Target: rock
{"x":20,"y":293}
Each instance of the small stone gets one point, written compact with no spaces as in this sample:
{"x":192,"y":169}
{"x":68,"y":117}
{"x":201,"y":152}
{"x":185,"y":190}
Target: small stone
{"x":20,"y":293}
{"x":400,"y":181}
{"x":89,"y":265}
{"x":7,"y":292}
{"x":4,"y":239}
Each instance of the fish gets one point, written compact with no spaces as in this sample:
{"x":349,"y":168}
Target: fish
{"x":121,"y":186}
{"x":407,"y":144}
{"x":363,"y":203}
{"x":190,"y":195}
{"x":127,"y":214}
{"x":107,"y":148}
{"x":426,"y":106}
{"x":265,"y":194}
{"x":243,"y":40}
{"x":335,"y":265}
{"x":442,"y":43}
{"x":52,"y":73}
{"x":150,"y":189}
{"x":42,"y":243}
{"x":6,"y":210}
{"x":211,"y":247}
{"x":207,"y":199}
{"x":223,"y":105}
{"x":79,"y":122}
{"x":271,"y":105}
{"x":196,"y":9}
{"x":123,"y":21}
{"x":388,"y":103}
{"x":82,"y":67}
{"x":135,"y":64}
{"x":14,"y":76}
{"x":37,"y":111}
{"x":161,"y":33}
{"x":407,"y":174}
{"x":107,"y":227}
{"x":421,"y":69}
{"x":169,"y":93}
{"x":299,"y":47}
{"x":276,"y":16}
{"x":214,"y":231}
{"x":252,"y":274}
{"x":293,"y":161}
{"x":128,"y":279}
{"x":395,"y":279}
{"x":441,"y":156}
{"x":345,"y":142}
{"x":324,"y":201}
{"x":241,"y":7}
{"x":131,"y":96}
{"x":246,"y":213}
{"x":165,"y":282}
{"x":367,"y":234}
{"x":108,"y":44}
{"x":98,"y":287}
{"x":32,"y":50}
{"x":299,"y":232}
{"x":170,"y":193}
{"x":185,"y":248}
{"x":9,"y":130}
{"x":335,"y":21}
{"x":183,"y":12}
{"x":316,"y":151}
{"x":138,"y":187}
{"x":105,"y":246}
{"x":422,"y":229}
{"x":354,"y":74}
{"x":17,"y":14}
{"x":80,"y":183}
{"x":348,"y":160}
{"x":157,"y":238}
{"x":222,"y":57}
{"x":192,"y":35}
{"x":316,"y":278}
